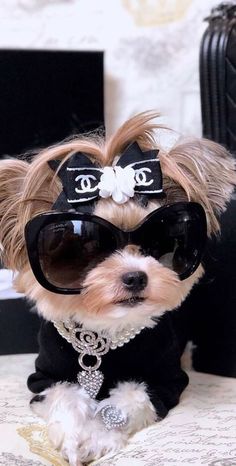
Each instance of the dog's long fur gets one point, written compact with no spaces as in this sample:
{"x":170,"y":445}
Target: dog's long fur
{"x":195,"y":170}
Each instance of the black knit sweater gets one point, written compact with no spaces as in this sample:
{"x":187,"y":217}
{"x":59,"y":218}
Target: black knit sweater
{"x":152,"y":357}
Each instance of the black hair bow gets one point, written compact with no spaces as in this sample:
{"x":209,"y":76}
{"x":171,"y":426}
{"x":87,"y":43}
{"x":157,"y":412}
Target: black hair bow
{"x":135,"y":172}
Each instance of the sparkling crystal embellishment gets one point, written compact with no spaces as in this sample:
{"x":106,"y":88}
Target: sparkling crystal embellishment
{"x":112,"y":417}
{"x":89,"y":343}
{"x":91,"y":381}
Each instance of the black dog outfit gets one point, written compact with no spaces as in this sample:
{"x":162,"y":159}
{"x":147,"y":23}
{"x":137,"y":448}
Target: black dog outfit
{"x":152,"y":357}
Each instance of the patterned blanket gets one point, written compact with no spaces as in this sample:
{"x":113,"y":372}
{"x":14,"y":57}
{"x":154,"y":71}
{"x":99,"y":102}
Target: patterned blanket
{"x":199,"y":431}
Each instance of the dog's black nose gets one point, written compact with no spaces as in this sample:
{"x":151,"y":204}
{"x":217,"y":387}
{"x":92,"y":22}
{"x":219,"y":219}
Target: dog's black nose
{"x":135,"y":281}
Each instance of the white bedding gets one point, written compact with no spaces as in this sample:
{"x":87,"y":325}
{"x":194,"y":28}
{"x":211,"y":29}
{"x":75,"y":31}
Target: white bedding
{"x":6,"y":289}
{"x":201,"y":430}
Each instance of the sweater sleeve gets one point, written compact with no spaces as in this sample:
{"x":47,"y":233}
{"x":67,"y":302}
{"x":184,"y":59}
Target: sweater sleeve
{"x":167,"y":380}
{"x":56,"y":362}
{"x":165,"y":393}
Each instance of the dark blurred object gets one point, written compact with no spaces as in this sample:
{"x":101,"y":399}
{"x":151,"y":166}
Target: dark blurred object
{"x":215,"y":303}
{"x":211,"y":323}
{"x":208,"y":315}
{"x":18,"y":327}
{"x":46,"y":96}
{"x":218,"y":76}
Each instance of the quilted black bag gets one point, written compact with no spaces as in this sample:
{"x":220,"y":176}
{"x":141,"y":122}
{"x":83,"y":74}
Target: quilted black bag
{"x":207,"y":317}
{"x":218,"y":76}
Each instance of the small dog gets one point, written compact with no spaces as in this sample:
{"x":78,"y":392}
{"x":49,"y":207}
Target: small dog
{"x":106,"y":237}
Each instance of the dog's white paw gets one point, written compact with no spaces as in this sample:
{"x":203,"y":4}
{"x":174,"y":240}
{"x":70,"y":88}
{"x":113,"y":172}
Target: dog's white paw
{"x":82,"y":445}
{"x":132,"y":399}
{"x":67,"y":410}
{"x":97,"y":441}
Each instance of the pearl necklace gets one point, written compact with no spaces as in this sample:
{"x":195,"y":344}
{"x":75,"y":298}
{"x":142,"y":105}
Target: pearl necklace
{"x":91,"y":343}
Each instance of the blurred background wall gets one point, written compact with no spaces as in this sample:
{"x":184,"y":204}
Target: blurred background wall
{"x":151,"y":49}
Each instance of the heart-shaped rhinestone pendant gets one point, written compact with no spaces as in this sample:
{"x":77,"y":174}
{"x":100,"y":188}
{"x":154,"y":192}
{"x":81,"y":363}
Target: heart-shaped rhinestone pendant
{"x":91,"y":381}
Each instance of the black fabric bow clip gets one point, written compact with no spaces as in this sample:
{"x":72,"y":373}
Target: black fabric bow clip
{"x":83,"y":181}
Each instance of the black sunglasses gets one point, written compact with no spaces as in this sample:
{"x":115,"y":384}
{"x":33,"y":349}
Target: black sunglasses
{"x":63,"y":246}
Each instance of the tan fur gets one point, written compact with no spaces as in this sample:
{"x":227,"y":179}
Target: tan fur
{"x":195,"y":169}
{"x":206,"y":173}
{"x":125,"y":216}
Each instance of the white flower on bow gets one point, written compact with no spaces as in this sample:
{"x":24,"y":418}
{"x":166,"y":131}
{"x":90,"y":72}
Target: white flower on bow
{"x":118,"y":183}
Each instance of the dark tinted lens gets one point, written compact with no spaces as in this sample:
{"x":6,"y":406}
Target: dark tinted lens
{"x":69,"y":249}
{"x":175,"y":237}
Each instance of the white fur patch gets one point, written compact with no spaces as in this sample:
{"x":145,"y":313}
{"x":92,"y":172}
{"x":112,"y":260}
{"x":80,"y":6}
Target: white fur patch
{"x":80,"y":435}
{"x":66,"y":410}
{"x":135,"y":262}
{"x":133,"y":401}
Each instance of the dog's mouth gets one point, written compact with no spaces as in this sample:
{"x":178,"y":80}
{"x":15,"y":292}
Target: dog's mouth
{"x":132,"y":301}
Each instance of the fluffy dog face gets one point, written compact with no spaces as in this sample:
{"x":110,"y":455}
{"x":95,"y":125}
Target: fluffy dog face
{"x":105,"y":301}
{"x":194,"y":170}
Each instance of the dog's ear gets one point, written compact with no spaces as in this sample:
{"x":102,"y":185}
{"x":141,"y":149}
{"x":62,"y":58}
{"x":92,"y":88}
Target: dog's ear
{"x":12,"y":176}
{"x":205,"y":172}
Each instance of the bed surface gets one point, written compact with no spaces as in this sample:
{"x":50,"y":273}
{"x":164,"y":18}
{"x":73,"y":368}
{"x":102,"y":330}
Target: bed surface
{"x":201,"y":430}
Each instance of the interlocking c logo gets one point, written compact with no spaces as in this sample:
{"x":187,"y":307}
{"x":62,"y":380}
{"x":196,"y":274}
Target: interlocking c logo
{"x":141,"y":177}
{"x":85,"y":183}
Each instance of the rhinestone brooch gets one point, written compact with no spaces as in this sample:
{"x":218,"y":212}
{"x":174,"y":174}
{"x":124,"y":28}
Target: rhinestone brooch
{"x":112,"y":417}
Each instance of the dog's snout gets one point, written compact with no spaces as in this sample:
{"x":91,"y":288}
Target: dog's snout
{"x":135,"y":281}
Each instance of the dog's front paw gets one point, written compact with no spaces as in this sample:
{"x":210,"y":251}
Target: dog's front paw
{"x":97,"y":441}
{"x":87,"y":443}
{"x":67,"y":410}
{"x":132,"y":399}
